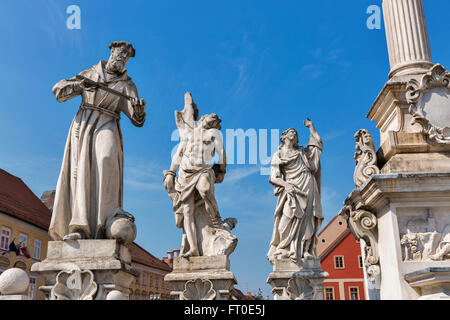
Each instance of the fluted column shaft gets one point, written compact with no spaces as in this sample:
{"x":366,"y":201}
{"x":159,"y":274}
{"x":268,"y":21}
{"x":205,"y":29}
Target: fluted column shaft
{"x":407,"y":37}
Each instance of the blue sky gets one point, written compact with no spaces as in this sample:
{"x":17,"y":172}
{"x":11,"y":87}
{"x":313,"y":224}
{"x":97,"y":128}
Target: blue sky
{"x":257,"y":64}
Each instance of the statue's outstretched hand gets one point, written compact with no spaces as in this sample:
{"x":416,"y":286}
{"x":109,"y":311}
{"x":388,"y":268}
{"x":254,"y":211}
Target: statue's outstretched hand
{"x":308,"y":123}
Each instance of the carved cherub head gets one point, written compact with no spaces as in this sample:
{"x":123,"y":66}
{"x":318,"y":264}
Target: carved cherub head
{"x":121,"y":52}
{"x":364,"y":138}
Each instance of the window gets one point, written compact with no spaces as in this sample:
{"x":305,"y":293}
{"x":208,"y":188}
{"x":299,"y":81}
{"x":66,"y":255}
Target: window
{"x":137,"y":281}
{"x":329,"y":293}
{"x":23,"y":239}
{"x":354,"y":293}
{"x":156,"y":282}
{"x":360,"y":262}
{"x":144,"y":279}
{"x":151,"y":280}
{"x":37,"y":249}
{"x":32,"y":288}
{"x":5,"y":238}
{"x":339,"y":262}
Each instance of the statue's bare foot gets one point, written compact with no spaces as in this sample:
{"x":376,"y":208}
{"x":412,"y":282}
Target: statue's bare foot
{"x":73,"y":236}
{"x":190,"y":253}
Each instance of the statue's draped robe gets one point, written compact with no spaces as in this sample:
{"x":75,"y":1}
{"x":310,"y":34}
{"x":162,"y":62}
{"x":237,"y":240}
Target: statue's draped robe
{"x":90,"y":183}
{"x":297,"y":217}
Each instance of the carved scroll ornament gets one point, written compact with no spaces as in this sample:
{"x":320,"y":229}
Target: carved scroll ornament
{"x":363,"y":224}
{"x":430,"y":104}
{"x":365,"y":157}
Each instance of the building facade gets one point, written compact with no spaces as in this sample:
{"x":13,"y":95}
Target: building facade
{"x":24,"y":221}
{"x":340,"y":255}
{"x":150,"y":284}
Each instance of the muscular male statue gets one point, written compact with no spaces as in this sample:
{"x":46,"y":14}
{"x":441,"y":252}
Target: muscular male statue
{"x":194,"y":186}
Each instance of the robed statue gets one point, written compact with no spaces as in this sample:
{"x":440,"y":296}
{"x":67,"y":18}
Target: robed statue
{"x":89,"y":191}
{"x":192,"y":190}
{"x":295,"y":174}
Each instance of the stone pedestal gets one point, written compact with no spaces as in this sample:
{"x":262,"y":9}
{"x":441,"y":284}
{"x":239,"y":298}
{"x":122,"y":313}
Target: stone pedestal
{"x":86,"y":270}
{"x":14,"y":297}
{"x":404,"y":221}
{"x":431,"y":283}
{"x":291,"y":281}
{"x":201,"y":278}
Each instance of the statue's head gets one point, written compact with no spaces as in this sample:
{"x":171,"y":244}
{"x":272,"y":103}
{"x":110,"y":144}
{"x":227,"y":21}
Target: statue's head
{"x":290,"y":135}
{"x":211,"y":121}
{"x":121,"y":52}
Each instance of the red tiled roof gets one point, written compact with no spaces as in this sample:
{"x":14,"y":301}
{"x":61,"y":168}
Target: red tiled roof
{"x":142,"y":256}
{"x":238,"y":294}
{"x":17,"y":200}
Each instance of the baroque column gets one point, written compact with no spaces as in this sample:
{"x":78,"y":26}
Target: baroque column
{"x":400,"y":207}
{"x":407,"y":37}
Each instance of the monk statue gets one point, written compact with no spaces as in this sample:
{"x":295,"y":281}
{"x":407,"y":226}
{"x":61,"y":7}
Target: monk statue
{"x":192,"y":191}
{"x":295,"y":174}
{"x":89,"y":191}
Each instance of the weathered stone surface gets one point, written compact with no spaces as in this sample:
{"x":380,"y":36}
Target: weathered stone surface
{"x":412,"y":219}
{"x":409,"y":47}
{"x":192,"y":188}
{"x":431,"y":283}
{"x":365,"y":157}
{"x":102,"y":265}
{"x":14,"y":281}
{"x":14,"y":297}
{"x":201,"y":278}
{"x":297,"y":281}
{"x":89,"y":191}
{"x":295,"y":175}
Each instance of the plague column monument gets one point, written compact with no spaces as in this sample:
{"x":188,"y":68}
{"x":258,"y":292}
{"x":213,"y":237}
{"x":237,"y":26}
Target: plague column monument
{"x":88,"y":258}
{"x":295,"y":174}
{"x":400,"y":209}
{"x":202,"y":271}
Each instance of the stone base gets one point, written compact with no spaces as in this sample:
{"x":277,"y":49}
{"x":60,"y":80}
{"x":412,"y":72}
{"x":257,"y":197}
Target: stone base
{"x":85,"y":270}
{"x":201,"y":278}
{"x":15,"y":297}
{"x":292,"y":281}
{"x":431,"y":283}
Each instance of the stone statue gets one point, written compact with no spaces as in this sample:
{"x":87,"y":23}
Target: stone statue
{"x":90,"y":186}
{"x":192,"y":192}
{"x":295,"y":174}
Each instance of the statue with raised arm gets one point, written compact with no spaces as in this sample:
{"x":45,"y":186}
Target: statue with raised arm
{"x":89,"y":191}
{"x":192,"y":191}
{"x":295,"y":174}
